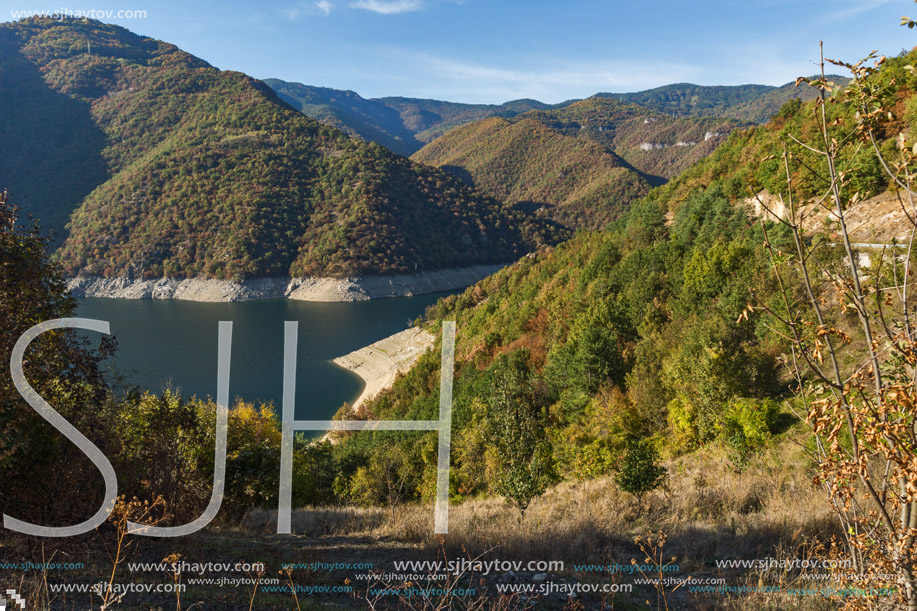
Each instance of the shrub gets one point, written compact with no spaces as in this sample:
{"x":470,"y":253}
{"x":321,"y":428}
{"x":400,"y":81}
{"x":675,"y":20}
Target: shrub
{"x":748,"y":425}
{"x":516,"y":432}
{"x":683,"y":422}
{"x":640,"y":471}
{"x":790,"y":108}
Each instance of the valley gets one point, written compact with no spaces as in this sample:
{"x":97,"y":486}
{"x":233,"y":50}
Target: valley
{"x":682,"y":373}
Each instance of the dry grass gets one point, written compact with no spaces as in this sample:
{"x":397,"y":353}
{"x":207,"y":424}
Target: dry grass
{"x":707,"y":510}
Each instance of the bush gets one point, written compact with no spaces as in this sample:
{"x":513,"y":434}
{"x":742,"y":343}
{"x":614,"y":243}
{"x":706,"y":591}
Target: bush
{"x":683,"y":422}
{"x":747,"y":426}
{"x":388,"y":478}
{"x":167,"y":449}
{"x":592,"y":460}
{"x":516,"y":432}
{"x":640,"y":471}
{"x":790,"y":108}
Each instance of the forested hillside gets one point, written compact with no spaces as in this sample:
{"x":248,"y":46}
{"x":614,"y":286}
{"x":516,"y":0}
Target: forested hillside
{"x":370,"y":120}
{"x":655,"y":144}
{"x":405,"y":125}
{"x":643,"y":331}
{"x":183,"y":170}
{"x":577,"y":182}
{"x":402,"y":125}
{"x":752,"y":103}
{"x":584,"y":163}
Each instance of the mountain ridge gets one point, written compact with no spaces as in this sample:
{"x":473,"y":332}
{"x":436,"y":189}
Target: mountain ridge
{"x":207,"y":173}
{"x":582,"y":165}
{"x":750,"y":102}
{"x":421,"y":120}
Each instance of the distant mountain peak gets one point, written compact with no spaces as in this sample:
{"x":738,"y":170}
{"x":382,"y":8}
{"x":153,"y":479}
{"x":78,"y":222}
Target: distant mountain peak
{"x":163,"y":166}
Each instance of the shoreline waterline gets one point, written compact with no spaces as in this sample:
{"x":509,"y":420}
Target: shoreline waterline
{"x":298,"y":289}
{"x":173,"y":344}
{"x":379,"y":363}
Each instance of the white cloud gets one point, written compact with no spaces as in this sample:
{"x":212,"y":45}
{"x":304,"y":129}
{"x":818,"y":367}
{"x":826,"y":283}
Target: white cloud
{"x":388,"y":7}
{"x":856,"y":8}
{"x":293,"y":13}
{"x":554,"y":82}
{"x":308,"y":9}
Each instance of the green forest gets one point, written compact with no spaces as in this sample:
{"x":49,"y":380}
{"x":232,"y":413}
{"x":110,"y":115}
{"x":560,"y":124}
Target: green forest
{"x":687,"y":377}
{"x":638,"y":332}
{"x":581,"y":165}
{"x":187,"y":171}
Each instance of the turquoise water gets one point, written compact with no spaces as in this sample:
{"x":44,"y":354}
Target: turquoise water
{"x":164,"y":343}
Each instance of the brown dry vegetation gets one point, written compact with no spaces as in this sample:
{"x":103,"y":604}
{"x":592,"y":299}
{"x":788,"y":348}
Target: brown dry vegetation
{"x":707,"y":510}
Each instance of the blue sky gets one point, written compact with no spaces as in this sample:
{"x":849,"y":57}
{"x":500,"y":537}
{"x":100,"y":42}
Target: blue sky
{"x":495,"y":50}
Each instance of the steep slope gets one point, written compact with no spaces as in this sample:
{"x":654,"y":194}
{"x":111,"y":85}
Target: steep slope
{"x":654,"y":144}
{"x":606,"y":337}
{"x":53,"y":147}
{"x":209,"y":174}
{"x":370,"y":120}
{"x":402,"y":125}
{"x":765,"y":106}
{"x":750,"y":161}
{"x":638,"y":332}
{"x":584,"y":163}
{"x":576,"y":181}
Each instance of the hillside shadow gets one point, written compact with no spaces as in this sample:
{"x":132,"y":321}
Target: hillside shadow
{"x":653,"y":180}
{"x":460,"y":173}
{"x":784,"y":422}
{"x":529,"y":207}
{"x":52,"y":146}
{"x":707,"y":544}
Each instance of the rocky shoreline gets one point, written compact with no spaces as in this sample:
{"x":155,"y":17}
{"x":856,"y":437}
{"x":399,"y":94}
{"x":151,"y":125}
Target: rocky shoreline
{"x":302,"y":289}
{"x":379,"y":363}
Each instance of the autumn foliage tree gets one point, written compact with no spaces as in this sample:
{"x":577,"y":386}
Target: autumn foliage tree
{"x":850,"y":324}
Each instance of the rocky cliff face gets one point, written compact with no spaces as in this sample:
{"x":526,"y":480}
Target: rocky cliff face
{"x":879,"y":220}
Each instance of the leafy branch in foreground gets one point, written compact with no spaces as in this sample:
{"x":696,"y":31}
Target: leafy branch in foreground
{"x":852,"y":334}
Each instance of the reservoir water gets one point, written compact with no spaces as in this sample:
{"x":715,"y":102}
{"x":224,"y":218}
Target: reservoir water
{"x":163,"y":343}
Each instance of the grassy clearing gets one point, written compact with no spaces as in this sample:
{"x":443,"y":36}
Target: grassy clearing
{"x":707,"y":510}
